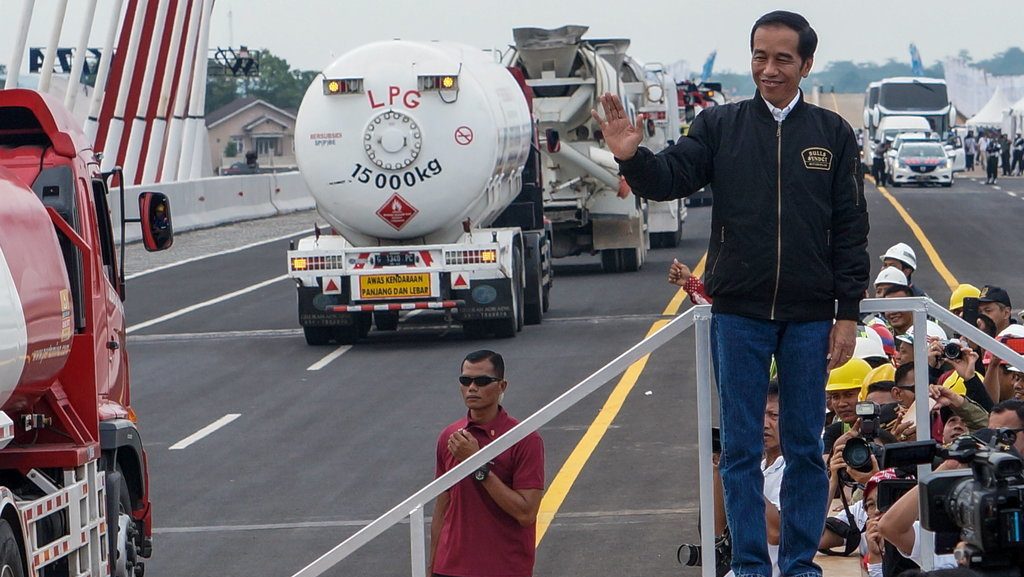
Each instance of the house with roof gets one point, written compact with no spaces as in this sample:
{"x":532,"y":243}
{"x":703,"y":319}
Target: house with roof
{"x":251,"y":125}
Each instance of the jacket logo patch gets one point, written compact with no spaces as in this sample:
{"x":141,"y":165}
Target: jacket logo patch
{"x":817,"y":158}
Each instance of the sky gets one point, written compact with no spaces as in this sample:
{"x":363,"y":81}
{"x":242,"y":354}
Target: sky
{"x":312,"y":33}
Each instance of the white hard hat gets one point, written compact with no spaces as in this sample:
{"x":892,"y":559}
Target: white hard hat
{"x":932,"y":329}
{"x":1015,"y":331}
{"x":869,"y":346}
{"x":892,"y":275}
{"x":903,"y":253}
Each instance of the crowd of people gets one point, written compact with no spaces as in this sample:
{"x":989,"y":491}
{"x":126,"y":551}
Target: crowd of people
{"x":992,"y":150}
{"x":968,"y":392}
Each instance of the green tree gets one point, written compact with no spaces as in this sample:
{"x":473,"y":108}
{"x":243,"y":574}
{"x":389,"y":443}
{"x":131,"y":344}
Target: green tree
{"x":277,"y":84}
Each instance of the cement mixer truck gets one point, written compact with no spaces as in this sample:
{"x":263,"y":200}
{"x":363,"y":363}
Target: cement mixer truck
{"x":74,"y":488}
{"x":422,"y":158}
{"x":590,"y":207}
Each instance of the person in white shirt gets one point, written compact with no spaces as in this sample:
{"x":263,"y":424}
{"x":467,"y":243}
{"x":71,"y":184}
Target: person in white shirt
{"x":900,"y":526}
{"x":772,"y":466}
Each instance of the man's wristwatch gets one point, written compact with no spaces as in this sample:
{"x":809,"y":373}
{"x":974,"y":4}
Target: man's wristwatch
{"x":481,"y":473}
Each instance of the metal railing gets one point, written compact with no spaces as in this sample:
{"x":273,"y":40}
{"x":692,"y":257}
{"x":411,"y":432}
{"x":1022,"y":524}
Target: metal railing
{"x":700,"y":318}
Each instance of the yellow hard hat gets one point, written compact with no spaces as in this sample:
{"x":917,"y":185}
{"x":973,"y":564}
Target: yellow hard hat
{"x":848,"y":376}
{"x":956,"y":300}
{"x":955,"y":383}
{"x":881,"y":373}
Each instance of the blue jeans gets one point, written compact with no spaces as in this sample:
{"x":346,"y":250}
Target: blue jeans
{"x":742,"y":348}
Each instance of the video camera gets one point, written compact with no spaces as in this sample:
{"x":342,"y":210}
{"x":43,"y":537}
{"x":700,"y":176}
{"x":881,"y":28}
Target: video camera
{"x":982,"y":508}
{"x":858,"y":450}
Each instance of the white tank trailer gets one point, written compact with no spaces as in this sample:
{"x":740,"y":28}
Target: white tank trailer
{"x":422,"y":157}
{"x":589,"y":206}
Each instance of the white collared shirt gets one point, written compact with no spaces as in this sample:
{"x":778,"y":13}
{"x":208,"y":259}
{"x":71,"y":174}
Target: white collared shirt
{"x":780,"y":114}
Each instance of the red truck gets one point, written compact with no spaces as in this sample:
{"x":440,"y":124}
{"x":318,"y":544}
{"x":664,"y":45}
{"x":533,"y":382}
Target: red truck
{"x":74,"y":488}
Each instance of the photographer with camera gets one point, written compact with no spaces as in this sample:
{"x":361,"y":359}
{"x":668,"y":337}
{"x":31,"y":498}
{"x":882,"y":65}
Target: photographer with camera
{"x":843,"y":391}
{"x":962,"y":377}
{"x":901,"y":527}
{"x":998,"y":378}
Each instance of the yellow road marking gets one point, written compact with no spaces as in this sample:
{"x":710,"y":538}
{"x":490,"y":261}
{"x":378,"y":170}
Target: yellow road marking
{"x":933,"y":254}
{"x":573,"y":466}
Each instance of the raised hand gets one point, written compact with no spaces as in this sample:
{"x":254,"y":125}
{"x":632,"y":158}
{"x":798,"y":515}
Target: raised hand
{"x":621,"y":136}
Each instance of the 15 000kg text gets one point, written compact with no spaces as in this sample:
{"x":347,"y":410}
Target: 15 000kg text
{"x":407,"y":179}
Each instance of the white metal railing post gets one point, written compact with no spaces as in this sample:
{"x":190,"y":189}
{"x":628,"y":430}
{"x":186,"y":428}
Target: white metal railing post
{"x":922,"y":416}
{"x":417,"y":542}
{"x":702,"y":336}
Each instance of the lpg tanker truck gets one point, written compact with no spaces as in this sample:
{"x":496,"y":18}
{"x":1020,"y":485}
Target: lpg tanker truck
{"x":422,"y":158}
{"x":590,"y":207}
{"x":74,"y":488}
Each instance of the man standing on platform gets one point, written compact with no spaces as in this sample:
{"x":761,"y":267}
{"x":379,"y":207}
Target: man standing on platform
{"x":788,"y":255}
{"x":486,"y":524}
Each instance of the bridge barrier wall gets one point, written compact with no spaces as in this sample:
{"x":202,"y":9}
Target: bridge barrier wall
{"x":209,"y":202}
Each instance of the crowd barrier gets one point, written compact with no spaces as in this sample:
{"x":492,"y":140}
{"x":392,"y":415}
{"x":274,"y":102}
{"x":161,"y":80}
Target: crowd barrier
{"x":209,"y":202}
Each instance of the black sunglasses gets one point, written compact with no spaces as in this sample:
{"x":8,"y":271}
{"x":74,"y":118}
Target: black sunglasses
{"x":481,"y":381}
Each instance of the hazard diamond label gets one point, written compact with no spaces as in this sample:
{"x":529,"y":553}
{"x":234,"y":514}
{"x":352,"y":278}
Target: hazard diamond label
{"x":397,"y":212}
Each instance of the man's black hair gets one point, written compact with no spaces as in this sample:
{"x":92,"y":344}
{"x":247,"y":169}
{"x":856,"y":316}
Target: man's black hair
{"x":485,"y":355}
{"x":808,"y":38}
{"x":898,"y":289}
{"x":881,"y":386}
{"x":901,"y":373}
{"x":1012,"y":405}
{"x":773,"y":389}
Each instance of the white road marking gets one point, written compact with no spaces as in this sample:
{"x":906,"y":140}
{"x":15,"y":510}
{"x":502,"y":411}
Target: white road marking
{"x":997,"y":187}
{"x":330,"y":357}
{"x":1011,"y":193}
{"x":205,"y":304}
{"x":205,"y":431}
{"x":213,"y":254}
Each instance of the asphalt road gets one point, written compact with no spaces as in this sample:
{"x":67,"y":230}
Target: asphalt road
{"x":314,"y":455}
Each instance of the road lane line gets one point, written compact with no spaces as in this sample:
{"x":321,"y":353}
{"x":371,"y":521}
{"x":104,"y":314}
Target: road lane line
{"x":1011,"y":193}
{"x":997,"y":187}
{"x":215,"y":335}
{"x":328,"y":358}
{"x":213,"y":254}
{"x":933,"y":255}
{"x":559,"y":488}
{"x":204,"y":304}
{"x":204,"y":432}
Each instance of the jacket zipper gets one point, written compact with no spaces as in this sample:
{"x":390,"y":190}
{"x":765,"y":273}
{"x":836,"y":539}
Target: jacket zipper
{"x":778,"y":176}
{"x":718,"y":257}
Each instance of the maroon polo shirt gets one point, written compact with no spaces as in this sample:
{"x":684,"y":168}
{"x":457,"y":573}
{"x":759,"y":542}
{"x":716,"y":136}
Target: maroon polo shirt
{"x":478,"y":538}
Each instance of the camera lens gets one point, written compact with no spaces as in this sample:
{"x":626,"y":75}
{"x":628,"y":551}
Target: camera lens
{"x":857,"y":454}
{"x":689,"y":555}
{"x":952,"y":350}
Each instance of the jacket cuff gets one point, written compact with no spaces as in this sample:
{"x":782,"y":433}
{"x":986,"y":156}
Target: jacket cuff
{"x":848,"y":310}
{"x":633,"y":164}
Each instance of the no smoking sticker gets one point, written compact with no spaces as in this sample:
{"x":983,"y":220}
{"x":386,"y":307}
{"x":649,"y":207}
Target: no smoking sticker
{"x":463,"y":135}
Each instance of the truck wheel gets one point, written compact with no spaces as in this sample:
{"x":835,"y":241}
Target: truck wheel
{"x":119,"y":526}
{"x":611,"y":261}
{"x":317,"y":336}
{"x":386,"y":321}
{"x":630,"y":259}
{"x":533,"y":309}
{"x":10,"y":555}
{"x":546,"y":299}
{"x":347,"y":335}
{"x":365,"y":322}
{"x":474,"y":329}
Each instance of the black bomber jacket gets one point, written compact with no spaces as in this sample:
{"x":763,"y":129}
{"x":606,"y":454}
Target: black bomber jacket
{"x":789,"y":224}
